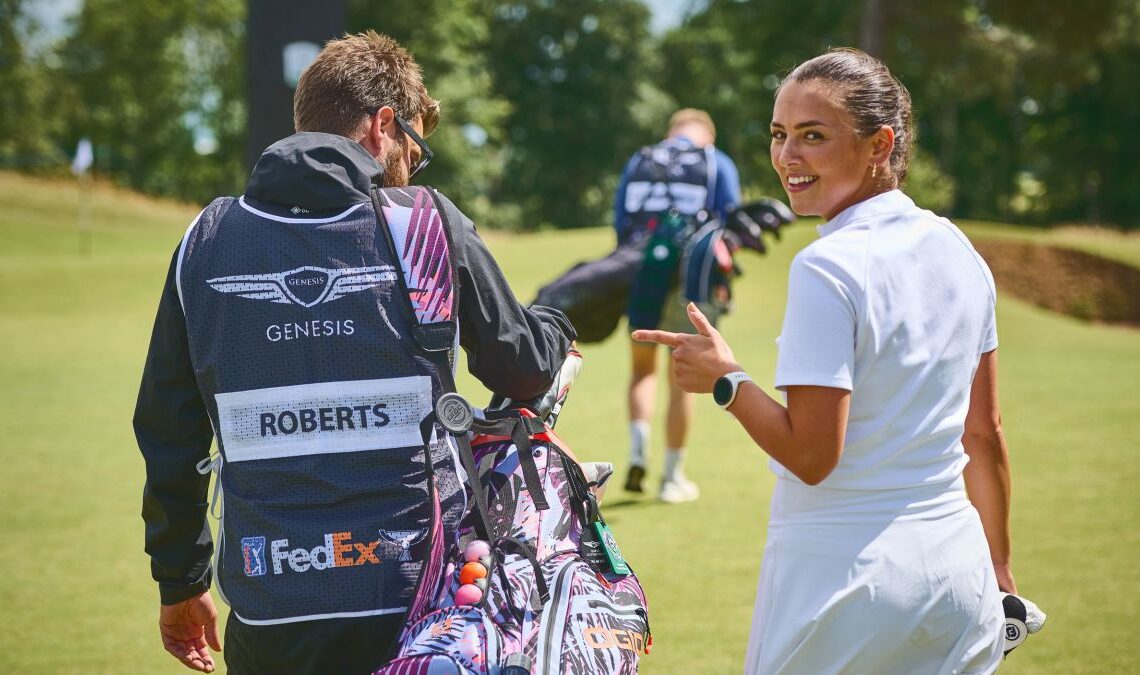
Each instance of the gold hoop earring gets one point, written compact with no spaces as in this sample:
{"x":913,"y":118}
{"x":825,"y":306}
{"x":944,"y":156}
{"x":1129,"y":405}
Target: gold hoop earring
{"x":874,"y":170}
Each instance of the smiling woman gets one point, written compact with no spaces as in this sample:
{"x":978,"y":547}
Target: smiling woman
{"x":888,"y":539}
{"x":839,"y":137}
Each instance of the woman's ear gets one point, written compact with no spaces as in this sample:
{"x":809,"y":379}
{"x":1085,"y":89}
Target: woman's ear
{"x":882,"y":145}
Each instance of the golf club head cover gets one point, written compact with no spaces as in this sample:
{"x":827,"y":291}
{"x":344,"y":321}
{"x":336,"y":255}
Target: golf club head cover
{"x":548,"y":405}
{"x":597,"y":476}
{"x":746,"y":231}
{"x":751,"y":220}
{"x":772,"y":214}
{"x":1022,"y":618}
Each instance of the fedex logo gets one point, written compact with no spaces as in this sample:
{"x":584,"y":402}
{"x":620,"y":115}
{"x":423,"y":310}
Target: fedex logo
{"x":338,"y":550}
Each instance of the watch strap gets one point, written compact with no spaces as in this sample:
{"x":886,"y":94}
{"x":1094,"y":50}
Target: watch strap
{"x":734,"y":379}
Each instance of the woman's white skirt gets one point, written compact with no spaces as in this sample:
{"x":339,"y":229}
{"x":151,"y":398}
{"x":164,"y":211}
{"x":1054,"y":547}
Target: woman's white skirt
{"x":896,"y":581}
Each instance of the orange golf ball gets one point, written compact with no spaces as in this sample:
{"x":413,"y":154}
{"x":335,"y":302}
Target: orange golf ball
{"x":472,"y":571}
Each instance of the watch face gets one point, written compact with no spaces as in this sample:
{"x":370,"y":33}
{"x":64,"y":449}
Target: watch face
{"x":722,"y":391}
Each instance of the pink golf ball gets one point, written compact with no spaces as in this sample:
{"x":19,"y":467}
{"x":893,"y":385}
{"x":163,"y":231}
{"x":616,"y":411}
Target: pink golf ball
{"x":468,"y":594}
{"x":475,"y":550}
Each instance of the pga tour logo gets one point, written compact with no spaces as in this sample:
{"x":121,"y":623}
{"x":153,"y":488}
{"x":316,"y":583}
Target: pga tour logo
{"x":253,"y":555}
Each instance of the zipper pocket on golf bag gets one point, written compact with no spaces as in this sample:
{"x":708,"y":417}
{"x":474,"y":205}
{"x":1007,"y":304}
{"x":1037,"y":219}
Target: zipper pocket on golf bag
{"x":464,"y":633}
{"x":593,"y":624}
{"x":432,"y":664}
{"x":479,"y":636}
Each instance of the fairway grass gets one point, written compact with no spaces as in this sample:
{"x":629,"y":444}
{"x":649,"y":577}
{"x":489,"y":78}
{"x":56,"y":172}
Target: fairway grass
{"x":74,"y":330}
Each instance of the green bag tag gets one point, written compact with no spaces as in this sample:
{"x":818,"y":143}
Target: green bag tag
{"x":609,"y":544}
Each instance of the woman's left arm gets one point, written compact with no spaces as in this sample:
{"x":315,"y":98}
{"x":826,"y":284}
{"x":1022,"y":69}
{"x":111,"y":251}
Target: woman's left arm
{"x":987,"y":474}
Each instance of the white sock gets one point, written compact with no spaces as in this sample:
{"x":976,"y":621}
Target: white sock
{"x":673,"y":460}
{"x":639,"y":443}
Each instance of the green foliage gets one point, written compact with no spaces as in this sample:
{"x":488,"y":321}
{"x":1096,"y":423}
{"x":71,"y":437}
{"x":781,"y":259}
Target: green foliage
{"x":570,"y":71}
{"x":1029,"y":108}
{"x":538,"y":112}
{"x":147,"y":73}
{"x":928,"y":185}
{"x":730,"y":58}
{"x":1032,"y":106}
{"x":448,"y":39}
{"x":29,"y":94}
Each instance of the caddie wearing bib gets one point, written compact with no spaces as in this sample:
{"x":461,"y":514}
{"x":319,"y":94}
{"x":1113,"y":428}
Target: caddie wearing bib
{"x":285,"y":333}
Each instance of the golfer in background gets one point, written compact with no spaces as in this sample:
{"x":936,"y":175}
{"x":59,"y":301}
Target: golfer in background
{"x":687,"y":173}
{"x":889,"y":536}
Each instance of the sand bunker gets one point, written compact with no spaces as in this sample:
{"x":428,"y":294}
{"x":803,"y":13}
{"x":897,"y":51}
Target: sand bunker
{"x":1064,"y":280}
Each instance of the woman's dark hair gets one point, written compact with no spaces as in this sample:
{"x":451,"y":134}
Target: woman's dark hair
{"x":869,"y":93}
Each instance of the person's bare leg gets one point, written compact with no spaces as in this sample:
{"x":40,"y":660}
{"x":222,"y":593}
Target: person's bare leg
{"x":642,"y":395}
{"x":682,"y":408}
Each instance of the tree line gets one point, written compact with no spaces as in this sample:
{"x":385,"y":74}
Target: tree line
{"x":1027,"y":110}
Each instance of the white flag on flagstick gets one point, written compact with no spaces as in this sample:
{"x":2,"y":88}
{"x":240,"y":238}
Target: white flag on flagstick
{"x":84,"y":157}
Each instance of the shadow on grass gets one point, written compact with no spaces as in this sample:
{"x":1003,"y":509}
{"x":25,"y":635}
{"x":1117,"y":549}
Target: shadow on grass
{"x":627,"y":503}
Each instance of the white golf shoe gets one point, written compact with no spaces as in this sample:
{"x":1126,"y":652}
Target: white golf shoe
{"x":678,"y":490}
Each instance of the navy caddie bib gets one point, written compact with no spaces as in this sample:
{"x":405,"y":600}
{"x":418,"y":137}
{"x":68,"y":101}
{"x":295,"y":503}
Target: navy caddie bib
{"x":304,"y":357}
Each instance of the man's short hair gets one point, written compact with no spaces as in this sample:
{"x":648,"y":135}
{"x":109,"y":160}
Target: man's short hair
{"x":356,"y":75}
{"x":692,"y":115}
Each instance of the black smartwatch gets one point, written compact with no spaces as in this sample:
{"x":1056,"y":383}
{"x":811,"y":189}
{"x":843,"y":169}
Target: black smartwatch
{"x":724,"y":390}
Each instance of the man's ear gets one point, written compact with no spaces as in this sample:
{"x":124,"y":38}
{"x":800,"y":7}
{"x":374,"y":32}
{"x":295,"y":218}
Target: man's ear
{"x":385,"y":115}
{"x":373,"y":139}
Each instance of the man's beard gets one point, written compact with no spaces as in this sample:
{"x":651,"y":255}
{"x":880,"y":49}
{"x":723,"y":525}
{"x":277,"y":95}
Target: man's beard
{"x":395,"y":173}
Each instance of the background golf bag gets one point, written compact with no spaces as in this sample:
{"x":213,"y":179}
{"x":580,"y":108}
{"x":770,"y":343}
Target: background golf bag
{"x":595,"y":294}
{"x":558,"y":597}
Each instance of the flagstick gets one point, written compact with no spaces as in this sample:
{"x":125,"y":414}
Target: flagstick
{"x":83,"y":216}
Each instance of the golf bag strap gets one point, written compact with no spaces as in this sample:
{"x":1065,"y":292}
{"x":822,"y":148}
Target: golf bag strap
{"x":427,"y":337}
{"x":519,"y":429}
{"x":467,"y":461}
{"x":527,"y":551}
{"x":582,"y":502}
{"x":482,"y":522}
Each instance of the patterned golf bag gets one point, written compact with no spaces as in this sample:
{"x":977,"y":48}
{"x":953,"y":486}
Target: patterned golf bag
{"x":554,"y":601}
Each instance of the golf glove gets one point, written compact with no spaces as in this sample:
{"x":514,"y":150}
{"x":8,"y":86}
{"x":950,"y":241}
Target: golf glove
{"x":1022,"y":617}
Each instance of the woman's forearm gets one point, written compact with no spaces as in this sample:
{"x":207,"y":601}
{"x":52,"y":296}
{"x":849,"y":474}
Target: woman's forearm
{"x":988,"y":486}
{"x":806,"y":437}
{"x":987,"y":474}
